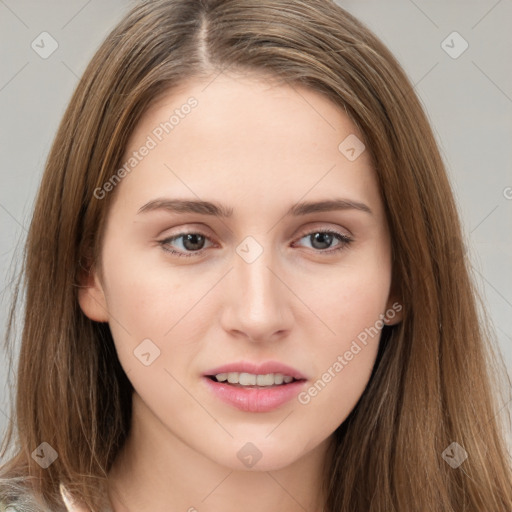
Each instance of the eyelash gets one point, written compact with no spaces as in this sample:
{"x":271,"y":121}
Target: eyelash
{"x":344,"y":239}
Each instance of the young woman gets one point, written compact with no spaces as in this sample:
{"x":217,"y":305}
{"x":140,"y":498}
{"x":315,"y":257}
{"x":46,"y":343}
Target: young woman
{"x":245,"y":284}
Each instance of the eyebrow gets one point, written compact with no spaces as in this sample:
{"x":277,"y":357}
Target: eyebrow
{"x":218,"y":210}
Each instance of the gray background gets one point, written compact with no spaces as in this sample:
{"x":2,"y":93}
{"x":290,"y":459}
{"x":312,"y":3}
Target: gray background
{"x":468,"y":100}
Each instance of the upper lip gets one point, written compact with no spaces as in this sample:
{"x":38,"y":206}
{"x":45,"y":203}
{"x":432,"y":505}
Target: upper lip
{"x":256,"y":369}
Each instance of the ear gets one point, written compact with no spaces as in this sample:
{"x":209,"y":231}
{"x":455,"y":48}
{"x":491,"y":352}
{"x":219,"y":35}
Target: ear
{"x":394,"y":311}
{"x":91,"y":295}
{"x":394,"y":306}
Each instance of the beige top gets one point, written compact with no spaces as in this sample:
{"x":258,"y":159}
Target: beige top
{"x":71,"y":506}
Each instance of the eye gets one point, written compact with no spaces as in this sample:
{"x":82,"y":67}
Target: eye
{"x":323,"y":239}
{"x":192,"y":242}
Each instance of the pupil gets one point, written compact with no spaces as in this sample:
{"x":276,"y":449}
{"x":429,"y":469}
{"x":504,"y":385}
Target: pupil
{"x":193,"y":239}
{"x":324,"y":236}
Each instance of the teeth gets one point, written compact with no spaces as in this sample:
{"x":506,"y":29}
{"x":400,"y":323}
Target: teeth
{"x":249,"y":379}
{"x":262,"y":380}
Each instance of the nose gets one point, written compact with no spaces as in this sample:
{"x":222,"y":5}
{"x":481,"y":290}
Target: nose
{"x":257,"y":304}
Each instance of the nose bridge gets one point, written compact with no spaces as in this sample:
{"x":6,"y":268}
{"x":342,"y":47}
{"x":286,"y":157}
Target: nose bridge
{"x":252,"y":272}
{"x":257,"y":301}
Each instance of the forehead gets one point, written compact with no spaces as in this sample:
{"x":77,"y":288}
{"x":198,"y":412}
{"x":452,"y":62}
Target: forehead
{"x":247,"y":136}
{"x":249,"y":103}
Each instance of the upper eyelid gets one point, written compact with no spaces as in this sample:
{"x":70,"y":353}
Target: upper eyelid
{"x":318,"y":226}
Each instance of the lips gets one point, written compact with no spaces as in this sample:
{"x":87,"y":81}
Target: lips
{"x":255,"y":398}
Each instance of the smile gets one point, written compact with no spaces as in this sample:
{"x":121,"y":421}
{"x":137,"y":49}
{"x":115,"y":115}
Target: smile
{"x":250,"y":379}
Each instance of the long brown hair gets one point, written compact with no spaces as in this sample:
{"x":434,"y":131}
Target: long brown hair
{"x":434,"y":382}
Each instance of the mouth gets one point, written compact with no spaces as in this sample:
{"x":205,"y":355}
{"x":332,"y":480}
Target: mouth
{"x":251,"y":380}
{"x":255,"y":388}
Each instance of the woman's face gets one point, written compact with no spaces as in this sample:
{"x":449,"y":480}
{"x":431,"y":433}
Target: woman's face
{"x":276,"y":288}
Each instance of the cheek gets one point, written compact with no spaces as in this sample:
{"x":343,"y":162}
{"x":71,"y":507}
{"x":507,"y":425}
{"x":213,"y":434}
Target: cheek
{"x":153,"y":303}
{"x":150,"y":299}
{"x":350,"y":306}
{"x":346,"y":301}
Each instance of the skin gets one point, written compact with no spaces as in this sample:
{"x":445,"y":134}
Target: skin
{"x":258,"y":148}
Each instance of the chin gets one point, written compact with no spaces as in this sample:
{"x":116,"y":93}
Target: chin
{"x":260,"y":454}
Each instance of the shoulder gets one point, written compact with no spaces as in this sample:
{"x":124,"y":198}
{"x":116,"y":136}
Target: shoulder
{"x":25,"y":502}
{"x":16,"y":496}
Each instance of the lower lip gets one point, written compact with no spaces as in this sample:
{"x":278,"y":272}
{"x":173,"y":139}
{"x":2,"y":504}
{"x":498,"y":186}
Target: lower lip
{"x":255,"y":399}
